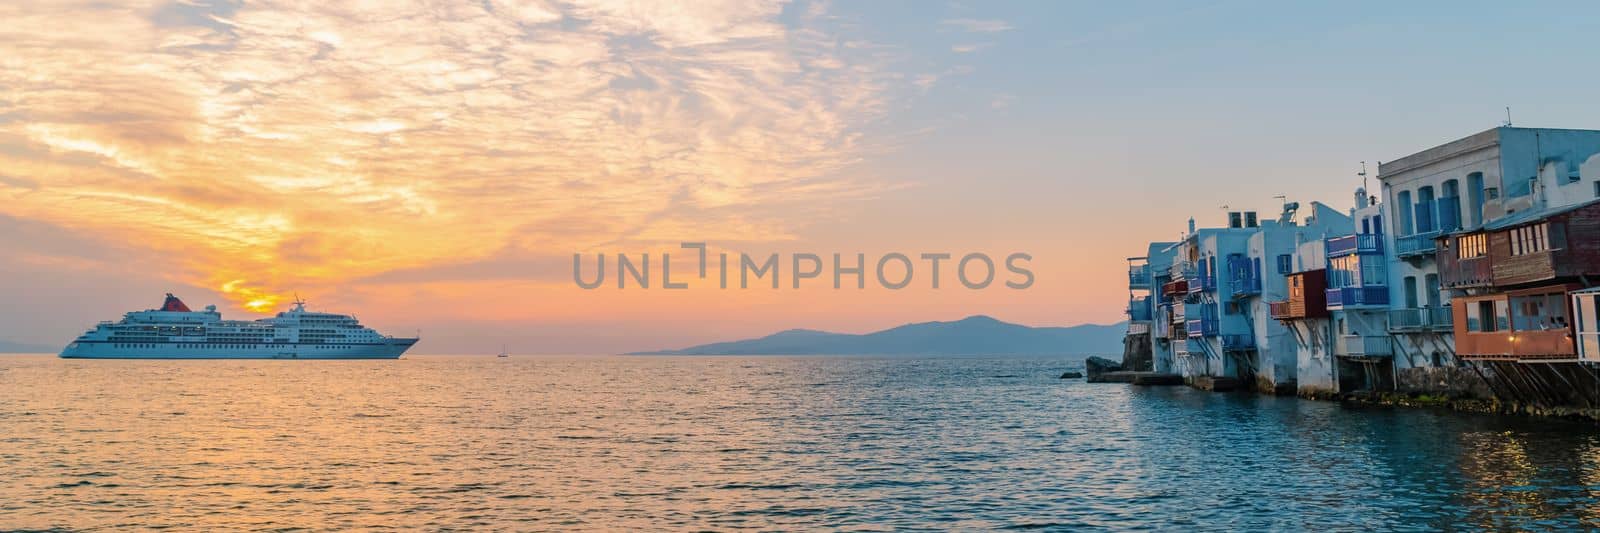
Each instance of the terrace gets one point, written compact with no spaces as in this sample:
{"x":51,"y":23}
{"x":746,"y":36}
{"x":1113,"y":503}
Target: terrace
{"x":1362,"y":296}
{"x":1363,"y":244}
{"x":1421,"y":319}
{"x":1363,"y":346}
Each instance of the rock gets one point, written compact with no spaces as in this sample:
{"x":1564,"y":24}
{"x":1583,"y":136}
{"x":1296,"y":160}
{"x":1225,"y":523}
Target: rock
{"x":1095,"y":367}
{"x":1215,"y":383}
{"x":1154,"y":379}
{"x":1072,"y":375}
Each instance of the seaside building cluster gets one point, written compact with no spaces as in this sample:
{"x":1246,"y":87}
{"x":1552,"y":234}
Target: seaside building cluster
{"x":1471,"y":275}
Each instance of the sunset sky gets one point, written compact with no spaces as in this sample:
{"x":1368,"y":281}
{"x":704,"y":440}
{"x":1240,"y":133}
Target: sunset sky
{"x":435,"y":165}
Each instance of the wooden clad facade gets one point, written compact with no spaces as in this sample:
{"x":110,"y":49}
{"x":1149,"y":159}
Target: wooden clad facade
{"x":1308,"y":297}
{"x":1517,"y":278}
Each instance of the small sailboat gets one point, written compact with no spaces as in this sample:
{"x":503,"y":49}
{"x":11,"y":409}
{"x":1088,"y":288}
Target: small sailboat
{"x":503,"y":353}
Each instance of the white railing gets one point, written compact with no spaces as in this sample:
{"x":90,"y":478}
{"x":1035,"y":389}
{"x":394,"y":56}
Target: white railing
{"x":1363,"y":345}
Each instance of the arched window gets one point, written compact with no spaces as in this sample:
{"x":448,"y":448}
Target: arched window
{"x":1450,"y":206}
{"x":1475,"y":199}
{"x":1425,"y":219}
{"x":1402,"y":209}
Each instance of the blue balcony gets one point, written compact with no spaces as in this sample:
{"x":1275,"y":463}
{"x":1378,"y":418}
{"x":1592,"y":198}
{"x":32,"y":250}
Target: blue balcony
{"x":1364,"y":296}
{"x":1235,"y":342}
{"x":1139,"y":309}
{"x":1139,"y":277}
{"x":1244,"y":276}
{"x":1202,"y":327}
{"x":1364,"y":244}
{"x":1200,"y":282}
{"x":1418,"y":319}
{"x":1421,"y":244}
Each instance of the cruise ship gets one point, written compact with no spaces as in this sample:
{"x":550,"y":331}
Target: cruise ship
{"x":175,"y":332}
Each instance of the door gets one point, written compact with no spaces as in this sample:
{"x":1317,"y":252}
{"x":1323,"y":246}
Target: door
{"x":1411,"y":292}
{"x":1587,"y":324}
{"x":1431,"y":281}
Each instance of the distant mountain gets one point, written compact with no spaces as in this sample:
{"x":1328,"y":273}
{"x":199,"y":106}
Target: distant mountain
{"x":17,"y":347}
{"x":975,"y":335}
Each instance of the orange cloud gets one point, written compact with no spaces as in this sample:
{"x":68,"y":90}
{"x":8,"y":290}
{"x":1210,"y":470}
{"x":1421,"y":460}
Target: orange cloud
{"x":277,"y":146}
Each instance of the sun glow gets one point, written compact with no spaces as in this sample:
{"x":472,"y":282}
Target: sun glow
{"x":265,"y":148}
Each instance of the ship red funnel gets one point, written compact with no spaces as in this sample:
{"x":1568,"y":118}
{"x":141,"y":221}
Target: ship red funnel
{"x":174,"y":304}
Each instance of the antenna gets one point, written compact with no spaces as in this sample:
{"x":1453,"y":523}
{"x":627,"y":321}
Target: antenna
{"x":1508,"y":117}
{"x":1363,"y":175}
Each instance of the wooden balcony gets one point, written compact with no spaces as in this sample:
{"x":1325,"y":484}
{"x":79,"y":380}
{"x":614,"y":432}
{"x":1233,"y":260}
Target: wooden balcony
{"x":1516,"y":345}
{"x":1463,"y":273}
{"x":1307,"y":297}
{"x":1176,"y":288}
{"x":1501,"y":332}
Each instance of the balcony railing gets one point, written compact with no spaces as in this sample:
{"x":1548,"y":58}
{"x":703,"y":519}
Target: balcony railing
{"x":1364,"y":346}
{"x":1201,"y":282}
{"x":1236,"y":342}
{"x":1177,"y":312}
{"x":1246,"y":286}
{"x":1421,"y":319}
{"x":1440,"y":317}
{"x":1139,"y":278}
{"x":1281,"y":311}
{"x":1139,"y":309}
{"x":1243,"y":279}
{"x":1469,"y":272}
{"x":1176,"y":288}
{"x":1420,"y":244}
{"x":1202,"y":327}
{"x":1368,"y":295}
{"x":1366,"y":244}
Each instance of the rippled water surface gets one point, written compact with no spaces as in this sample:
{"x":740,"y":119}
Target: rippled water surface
{"x":719,"y":443}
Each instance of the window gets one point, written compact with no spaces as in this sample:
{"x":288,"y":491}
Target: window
{"x":1410,"y":284}
{"x":1373,"y":273}
{"x":1470,"y":246}
{"x":1530,"y":239}
{"x":1342,"y":272}
{"x":1285,"y":263}
{"x":1481,"y":316}
{"x":1597,"y":189}
{"x":1296,"y":290}
{"x":1539,"y":312}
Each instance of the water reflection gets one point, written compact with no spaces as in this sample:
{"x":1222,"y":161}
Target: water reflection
{"x":718,"y":443}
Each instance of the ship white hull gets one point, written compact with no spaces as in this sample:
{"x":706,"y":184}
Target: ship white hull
{"x":391,"y":349}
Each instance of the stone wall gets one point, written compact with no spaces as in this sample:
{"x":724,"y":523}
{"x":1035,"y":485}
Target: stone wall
{"x":1136,"y":353}
{"x":1448,"y":381}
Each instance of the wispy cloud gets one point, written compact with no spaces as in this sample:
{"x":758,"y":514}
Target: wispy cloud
{"x":274,"y":145}
{"x":977,"y":25}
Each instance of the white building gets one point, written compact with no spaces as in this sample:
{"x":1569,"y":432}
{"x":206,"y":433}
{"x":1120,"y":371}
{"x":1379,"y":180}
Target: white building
{"x":1459,"y":186}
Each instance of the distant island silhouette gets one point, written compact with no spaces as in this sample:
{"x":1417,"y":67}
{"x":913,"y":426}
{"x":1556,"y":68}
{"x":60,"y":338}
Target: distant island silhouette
{"x":974,"y":335}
